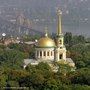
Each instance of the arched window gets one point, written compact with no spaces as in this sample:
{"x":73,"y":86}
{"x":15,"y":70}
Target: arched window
{"x":60,"y":42}
{"x":60,"y":56}
{"x":47,"y":53}
{"x":40,"y":53}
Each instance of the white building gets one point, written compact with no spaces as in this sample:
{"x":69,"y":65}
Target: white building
{"x":49,"y":50}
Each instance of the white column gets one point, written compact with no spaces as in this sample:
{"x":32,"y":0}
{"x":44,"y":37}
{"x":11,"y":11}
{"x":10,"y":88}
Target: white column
{"x":45,"y":54}
{"x":38,"y":54}
{"x":50,"y":53}
{"x":64,"y":56}
{"x":57,"y":55}
{"x":53,"y":54}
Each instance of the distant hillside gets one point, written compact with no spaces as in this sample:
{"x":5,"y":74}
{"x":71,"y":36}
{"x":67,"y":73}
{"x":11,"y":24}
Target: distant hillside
{"x":75,"y":12}
{"x":72,"y":9}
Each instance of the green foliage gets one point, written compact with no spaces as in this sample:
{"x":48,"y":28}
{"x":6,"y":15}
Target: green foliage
{"x":51,"y":84}
{"x":2,"y":46}
{"x":68,"y":38}
{"x":32,"y":53}
{"x":20,"y":47}
{"x":41,"y":76}
{"x":43,"y":66}
{"x":81,"y":55}
{"x":12,"y":84}
{"x":64,"y":69}
{"x":71,"y":40}
{"x":28,"y":50}
{"x":17,"y":74}
{"x":3,"y":79}
{"x":78,"y":39}
{"x":81,"y":76}
{"x":81,"y":87}
{"x":11,"y":58}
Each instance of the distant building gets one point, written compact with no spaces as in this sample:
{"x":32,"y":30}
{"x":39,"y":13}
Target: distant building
{"x":49,"y":50}
{"x":6,"y":41}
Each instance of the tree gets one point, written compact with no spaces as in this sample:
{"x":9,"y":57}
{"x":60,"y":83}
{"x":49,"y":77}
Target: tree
{"x":81,"y":76}
{"x":78,"y":39}
{"x":81,"y":87}
{"x":3,"y":79}
{"x":51,"y":84}
{"x":80,"y":64}
{"x":43,"y":66}
{"x":12,"y":58}
{"x":64,"y":68}
{"x":12,"y":84}
{"x":68,"y":38}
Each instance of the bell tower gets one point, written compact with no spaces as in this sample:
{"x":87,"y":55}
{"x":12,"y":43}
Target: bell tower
{"x":60,"y":48}
{"x":60,"y":37}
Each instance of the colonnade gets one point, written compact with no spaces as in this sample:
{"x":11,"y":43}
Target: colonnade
{"x":42,"y":54}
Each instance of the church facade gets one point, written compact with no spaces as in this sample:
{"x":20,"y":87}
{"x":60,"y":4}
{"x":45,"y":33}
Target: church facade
{"x":49,"y":50}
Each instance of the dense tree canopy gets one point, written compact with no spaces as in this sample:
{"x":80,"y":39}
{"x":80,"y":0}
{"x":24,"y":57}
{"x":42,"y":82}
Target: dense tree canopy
{"x":41,"y":76}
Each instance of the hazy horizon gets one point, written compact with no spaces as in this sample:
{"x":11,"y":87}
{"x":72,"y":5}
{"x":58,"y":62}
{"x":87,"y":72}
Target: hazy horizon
{"x":76,"y":13}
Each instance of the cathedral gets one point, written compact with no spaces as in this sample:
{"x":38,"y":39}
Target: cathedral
{"x":49,"y":50}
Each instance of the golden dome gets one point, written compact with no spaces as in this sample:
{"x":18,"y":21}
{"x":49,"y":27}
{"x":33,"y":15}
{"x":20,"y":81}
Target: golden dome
{"x":46,"y":42}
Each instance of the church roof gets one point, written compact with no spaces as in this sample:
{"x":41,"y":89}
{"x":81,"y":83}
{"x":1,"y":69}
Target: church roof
{"x":46,"y":42}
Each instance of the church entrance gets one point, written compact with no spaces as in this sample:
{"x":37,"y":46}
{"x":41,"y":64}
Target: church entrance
{"x":60,"y":56}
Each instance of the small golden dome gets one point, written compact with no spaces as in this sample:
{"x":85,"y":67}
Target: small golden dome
{"x":46,"y":42}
